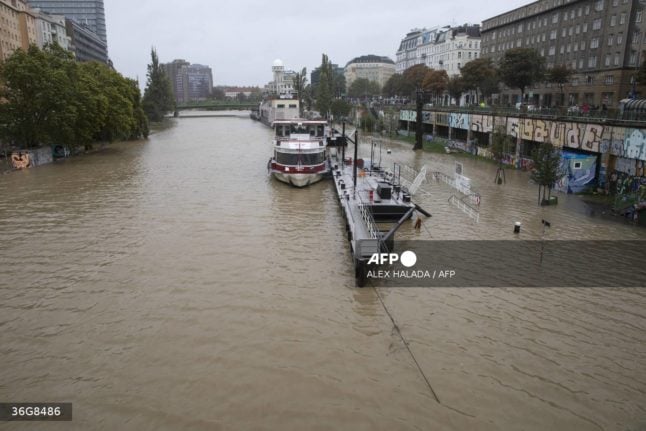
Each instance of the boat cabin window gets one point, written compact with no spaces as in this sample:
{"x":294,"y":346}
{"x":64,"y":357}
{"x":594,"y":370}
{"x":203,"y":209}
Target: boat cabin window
{"x":281,"y":131}
{"x":302,"y":158}
{"x":319,"y":130}
{"x":300,"y":129}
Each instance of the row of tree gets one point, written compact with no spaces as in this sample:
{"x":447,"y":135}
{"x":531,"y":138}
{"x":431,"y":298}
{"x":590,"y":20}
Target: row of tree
{"x":519,"y":68}
{"x":49,"y":98}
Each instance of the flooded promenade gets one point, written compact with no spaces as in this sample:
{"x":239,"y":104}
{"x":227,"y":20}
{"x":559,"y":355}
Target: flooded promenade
{"x":172,"y":284}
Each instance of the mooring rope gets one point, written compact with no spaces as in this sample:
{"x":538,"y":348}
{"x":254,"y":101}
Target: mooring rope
{"x":410,"y":352}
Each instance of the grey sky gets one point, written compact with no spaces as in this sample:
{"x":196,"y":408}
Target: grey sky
{"x":240,"y":39}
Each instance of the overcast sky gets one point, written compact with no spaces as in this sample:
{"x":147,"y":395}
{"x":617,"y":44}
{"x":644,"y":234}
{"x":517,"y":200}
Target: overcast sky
{"x":240,"y":39}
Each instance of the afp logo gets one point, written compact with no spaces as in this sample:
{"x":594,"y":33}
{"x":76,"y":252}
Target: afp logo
{"x":407,"y":258}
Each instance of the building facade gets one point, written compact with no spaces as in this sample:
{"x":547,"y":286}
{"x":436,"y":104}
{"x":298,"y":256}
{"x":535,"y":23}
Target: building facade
{"x":190,"y":82}
{"x":51,"y":29}
{"x":283,"y":82}
{"x":17,"y":27}
{"x":371,"y":67}
{"x":602,"y":41}
{"x":90,"y":13}
{"x":440,"y":48}
{"x":86,"y":45}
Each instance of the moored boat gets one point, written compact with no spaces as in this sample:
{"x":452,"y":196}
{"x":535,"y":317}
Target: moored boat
{"x":300,"y":156}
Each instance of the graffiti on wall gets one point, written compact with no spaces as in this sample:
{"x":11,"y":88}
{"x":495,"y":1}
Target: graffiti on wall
{"x":20,"y":160}
{"x":427,"y":117}
{"x":513,"y":127}
{"x":407,"y":115}
{"x":635,"y":144}
{"x":481,"y":123}
{"x":458,"y":120}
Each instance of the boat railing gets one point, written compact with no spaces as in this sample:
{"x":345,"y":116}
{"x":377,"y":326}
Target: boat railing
{"x":371,"y":225}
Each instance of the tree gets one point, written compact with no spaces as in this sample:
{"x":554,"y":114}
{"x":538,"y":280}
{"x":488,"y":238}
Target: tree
{"x":559,"y":75}
{"x":300,"y":82}
{"x":521,"y":68}
{"x":325,"y":88}
{"x":481,"y":76}
{"x":218,"y":93}
{"x":340,"y":108}
{"x":363,"y":87}
{"x":455,"y":88}
{"x":48,"y":98}
{"x":37,"y":93}
{"x":436,"y":82}
{"x":158,"y":95}
{"x":413,"y":79}
{"x":547,"y":168}
{"x":501,"y":144}
{"x":394,"y":86}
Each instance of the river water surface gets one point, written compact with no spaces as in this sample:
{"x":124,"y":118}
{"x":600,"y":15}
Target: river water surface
{"x":170,"y":284}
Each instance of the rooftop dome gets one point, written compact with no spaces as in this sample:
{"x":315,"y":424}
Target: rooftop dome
{"x":278,"y":63}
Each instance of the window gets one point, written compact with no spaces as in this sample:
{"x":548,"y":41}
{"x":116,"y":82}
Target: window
{"x":636,"y":37}
{"x":578,"y":28}
{"x":620,"y":38}
{"x":596,"y":24}
{"x":615,"y":3}
{"x":608,"y":60}
{"x":563,"y":32}
{"x":552,"y":50}
{"x":592,"y":61}
{"x":622,"y":19}
{"x":587,"y":10}
{"x":598,"y":6}
{"x":585,"y":27}
{"x":555,"y":18}
{"x":594,"y":43}
{"x":583,"y":45}
{"x":616,"y":59}
{"x":562,"y":50}
{"x":611,"y":39}
{"x":553,"y":35}
{"x":638,"y":16}
{"x":633,"y":58}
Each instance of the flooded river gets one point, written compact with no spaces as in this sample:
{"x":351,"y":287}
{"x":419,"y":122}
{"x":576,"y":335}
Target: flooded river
{"x":171,"y":284}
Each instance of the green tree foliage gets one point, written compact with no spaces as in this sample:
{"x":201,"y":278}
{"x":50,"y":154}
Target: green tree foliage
{"x":363,"y":87}
{"x":559,"y":75}
{"x":481,"y":76}
{"x":547,"y":168}
{"x":51,"y":99}
{"x":521,"y":68}
{"x":394,"y":86}
{"x":300,"y":82}
{"x":340,"y":108}
{"x":158,"y":95}
{"x":501,"y":144}
{"x":325,"y":89}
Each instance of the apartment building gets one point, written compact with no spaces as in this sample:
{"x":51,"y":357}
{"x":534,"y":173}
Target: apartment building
{"x":602,"y":41}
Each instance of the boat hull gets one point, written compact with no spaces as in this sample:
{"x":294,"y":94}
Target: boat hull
{"x":298,"y":180}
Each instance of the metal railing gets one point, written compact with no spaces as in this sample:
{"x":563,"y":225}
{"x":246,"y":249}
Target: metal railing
{"x":465,"y":208}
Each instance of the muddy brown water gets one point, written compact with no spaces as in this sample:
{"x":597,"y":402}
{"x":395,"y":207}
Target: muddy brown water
{"x":170,"y":284}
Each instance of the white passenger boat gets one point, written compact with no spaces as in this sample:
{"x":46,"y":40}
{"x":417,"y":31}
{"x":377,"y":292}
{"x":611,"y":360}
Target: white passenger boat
{"x":300,"y":156}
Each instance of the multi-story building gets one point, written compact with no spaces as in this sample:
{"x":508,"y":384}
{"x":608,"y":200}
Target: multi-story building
{"x":17,"y":27}
{"x":91,"y":13}
{"x":440,"y":48}
{"x":51,"y":29}
{"x":283,"y":83}
{"x":602,"y":41}
{"x":86,"y":45}
{"x":372,"y":67}
{"x":407,"y":52}
{"x":190,"y":82}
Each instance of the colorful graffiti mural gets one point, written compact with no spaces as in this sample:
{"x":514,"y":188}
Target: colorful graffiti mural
{"x":20,"y":160}
{"x":635,"y":144}
{"x":579,"y":172}
{"x":458,"y":120}
{"x":618,"y":141}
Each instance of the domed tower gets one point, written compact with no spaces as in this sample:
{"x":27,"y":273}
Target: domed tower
{"x":279,"y":72}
